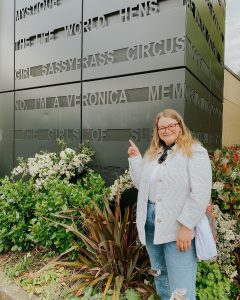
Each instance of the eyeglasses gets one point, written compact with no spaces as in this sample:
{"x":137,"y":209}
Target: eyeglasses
{"x":170,"y":127}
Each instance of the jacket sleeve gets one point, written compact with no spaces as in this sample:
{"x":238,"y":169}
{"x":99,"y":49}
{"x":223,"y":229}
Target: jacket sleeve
{"x":135,"y":169}
{"x":200,"y":177}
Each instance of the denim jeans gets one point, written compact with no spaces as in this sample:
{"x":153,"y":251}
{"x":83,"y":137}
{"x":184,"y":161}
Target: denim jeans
{"x":174,"y":271}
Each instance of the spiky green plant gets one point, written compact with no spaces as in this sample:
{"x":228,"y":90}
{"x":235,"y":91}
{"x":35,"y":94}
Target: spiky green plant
{"x":113,"y":257}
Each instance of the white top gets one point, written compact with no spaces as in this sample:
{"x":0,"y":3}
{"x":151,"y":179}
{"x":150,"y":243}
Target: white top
{"x":153,"y":182}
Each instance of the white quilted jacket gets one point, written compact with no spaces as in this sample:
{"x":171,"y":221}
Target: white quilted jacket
{"x":183,"y":191}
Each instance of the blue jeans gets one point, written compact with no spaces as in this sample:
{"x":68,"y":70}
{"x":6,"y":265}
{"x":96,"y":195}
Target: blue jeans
{"x":174,"y":272}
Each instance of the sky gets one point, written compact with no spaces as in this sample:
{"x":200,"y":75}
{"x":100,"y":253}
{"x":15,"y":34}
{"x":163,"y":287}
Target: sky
{"x":232,"y":36}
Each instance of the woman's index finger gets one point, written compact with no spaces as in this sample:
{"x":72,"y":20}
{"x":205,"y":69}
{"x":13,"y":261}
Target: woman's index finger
{"x":132,"y":143}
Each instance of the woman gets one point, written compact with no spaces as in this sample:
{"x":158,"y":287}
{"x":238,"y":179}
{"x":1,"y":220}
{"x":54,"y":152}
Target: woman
{"x":174,"y":180}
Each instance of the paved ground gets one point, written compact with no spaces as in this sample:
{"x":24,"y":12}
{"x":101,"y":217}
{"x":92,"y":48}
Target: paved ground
{"x":9,"y":291}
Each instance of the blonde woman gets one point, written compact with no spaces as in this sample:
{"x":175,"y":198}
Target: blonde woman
{"x":174,"y":183}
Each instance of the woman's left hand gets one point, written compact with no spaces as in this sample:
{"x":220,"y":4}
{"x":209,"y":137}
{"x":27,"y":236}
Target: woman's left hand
{"x":184,"y":239}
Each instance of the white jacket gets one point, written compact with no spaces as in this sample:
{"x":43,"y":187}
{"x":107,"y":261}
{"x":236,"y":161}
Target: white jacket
{"x":183,"y":191}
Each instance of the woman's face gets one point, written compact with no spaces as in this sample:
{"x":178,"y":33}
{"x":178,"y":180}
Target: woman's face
{"x":168,"y":130}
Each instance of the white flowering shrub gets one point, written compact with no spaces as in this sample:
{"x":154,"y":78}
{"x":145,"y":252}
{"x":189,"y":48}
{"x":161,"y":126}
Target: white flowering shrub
{"x":124,"y":182}
{"x":228,"y":239}
{"x":48,"y":165}
{"x":226,"y":179}
{"x":218,"y":186}
{"x":50,"y":184}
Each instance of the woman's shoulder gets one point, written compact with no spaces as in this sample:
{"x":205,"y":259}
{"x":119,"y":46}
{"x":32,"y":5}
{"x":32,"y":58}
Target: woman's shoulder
{"x":194,"y":148}
{"x":199,"y":150}
{"x":198,"y":147}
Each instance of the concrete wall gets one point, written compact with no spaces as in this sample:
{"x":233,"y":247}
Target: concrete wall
{"x":231,"y":109}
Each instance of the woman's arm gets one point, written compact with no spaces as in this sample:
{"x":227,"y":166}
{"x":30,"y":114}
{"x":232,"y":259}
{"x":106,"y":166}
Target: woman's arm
{"x":200,"y":177}
{"x":135,"y":163}
{"x":135,"y":169}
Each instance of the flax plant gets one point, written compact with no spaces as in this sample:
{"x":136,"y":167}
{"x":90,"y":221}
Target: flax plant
{"x":113,"y":258}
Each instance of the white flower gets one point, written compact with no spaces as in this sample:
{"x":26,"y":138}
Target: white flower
{"x":229,"y":235}
{"x":33,"y":170}
{"x":225,"y":160}
{"x":234,"y":274}
{"x":70,"y":151}
{"x":68,"y":174}
{"x":218,"y":186}
{"x":146,"y":282}
{"x":121,"y":184}
{"x":63,"y":155}
{"x":38,"y":183}
{"x":45,"y":166}
{"x":18,"y":170}
{"x":234,"y":175}
{"x":228,"y":238}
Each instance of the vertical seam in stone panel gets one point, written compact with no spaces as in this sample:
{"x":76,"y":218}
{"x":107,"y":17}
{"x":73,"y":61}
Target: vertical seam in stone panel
{"x":81,"y":79}
{"x":14,"y":86}
{"x":185,"y":58}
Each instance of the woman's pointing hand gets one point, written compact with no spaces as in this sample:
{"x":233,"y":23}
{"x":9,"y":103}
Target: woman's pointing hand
{"x":133,"y":149}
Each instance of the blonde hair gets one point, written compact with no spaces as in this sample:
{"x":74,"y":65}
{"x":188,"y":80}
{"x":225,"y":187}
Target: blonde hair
{"x":184,"y":141}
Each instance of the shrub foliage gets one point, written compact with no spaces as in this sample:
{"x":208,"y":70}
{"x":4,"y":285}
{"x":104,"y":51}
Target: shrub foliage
{"x":49,"y":183}
{"x":226,"y":179}
{"x":113,"y":258}
{"x":212,"y":283}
